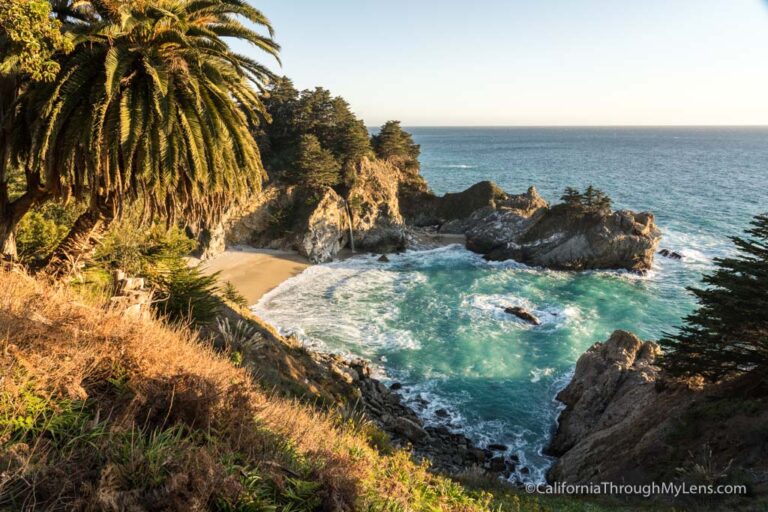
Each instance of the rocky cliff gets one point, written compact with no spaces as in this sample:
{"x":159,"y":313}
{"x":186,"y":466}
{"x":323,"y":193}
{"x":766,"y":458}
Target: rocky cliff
{"x":319,"y":223}
{"x":525,"y":228}
{"x":375,"y":209}
{"x":624,"y":421}
{"x":567,"y":238}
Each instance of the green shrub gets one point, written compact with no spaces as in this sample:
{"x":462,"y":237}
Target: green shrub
{"x":394,"y":142}
{"x":139,"y":252}
{"x":186,"y":294}
{"x":158,"y":254}
{"x":42,"y":229}
{"x":26,"y":416}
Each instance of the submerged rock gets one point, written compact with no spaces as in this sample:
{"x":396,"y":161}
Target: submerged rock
{"x":671,"y":254}
{"x":523,"y":314}
{"x":383,"y":258}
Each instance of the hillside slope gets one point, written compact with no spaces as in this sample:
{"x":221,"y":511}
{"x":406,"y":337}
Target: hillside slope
{"x":99,"y":412}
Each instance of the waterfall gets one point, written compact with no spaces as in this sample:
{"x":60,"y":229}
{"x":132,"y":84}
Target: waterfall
{"x":349,"y":219}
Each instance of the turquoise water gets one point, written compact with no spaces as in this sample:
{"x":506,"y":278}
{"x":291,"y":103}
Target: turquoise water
{"x":434,"y":320}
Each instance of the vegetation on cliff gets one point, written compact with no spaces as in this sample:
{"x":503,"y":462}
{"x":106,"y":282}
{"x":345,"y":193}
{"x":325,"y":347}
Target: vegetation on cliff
{"x":307,"y":128}
{"x":591,"y":200}
{"x":392,"y":142}
{"x":315,"y":140}
{"x":728,"y":334}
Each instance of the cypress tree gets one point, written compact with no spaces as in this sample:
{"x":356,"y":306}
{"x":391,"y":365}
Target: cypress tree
{"x":316,"y":166}
{"x":571,"y":196}
{"x":603,"y":203}
{"x":728,"y":333}
{"x":589,"y":197}
{"x":393,"y":141}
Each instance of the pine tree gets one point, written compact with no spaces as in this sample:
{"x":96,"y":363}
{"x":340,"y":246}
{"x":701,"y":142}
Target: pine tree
{"x":394,"y":142}
{"x":728,"y":333}
{"x":603,"y":203}
{"x":316,"y":166}
{"x":589,"y":197}
{"x":571,"y":196}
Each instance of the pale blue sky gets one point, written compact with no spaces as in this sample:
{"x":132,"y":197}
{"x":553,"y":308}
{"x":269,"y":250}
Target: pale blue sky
{"x":545,"y":62}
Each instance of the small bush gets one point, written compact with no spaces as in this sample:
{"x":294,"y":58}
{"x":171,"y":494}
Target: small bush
{"x":186,"y":294}
{"x":230,"y":293}
{"x":41,"y":230}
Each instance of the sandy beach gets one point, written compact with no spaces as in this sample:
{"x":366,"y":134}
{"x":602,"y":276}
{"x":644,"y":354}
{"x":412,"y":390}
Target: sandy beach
{"x":254,"y":272}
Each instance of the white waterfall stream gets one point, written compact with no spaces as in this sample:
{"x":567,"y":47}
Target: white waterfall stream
{"x":349,"y":219}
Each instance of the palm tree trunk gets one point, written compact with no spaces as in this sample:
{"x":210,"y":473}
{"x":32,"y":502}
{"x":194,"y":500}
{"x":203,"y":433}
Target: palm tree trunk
{"x":7,"y":240}
{"x":80,"y":243}
{"x":11,"y":212}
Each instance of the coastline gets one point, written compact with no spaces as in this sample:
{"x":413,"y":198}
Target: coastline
{"x":255,"y":272}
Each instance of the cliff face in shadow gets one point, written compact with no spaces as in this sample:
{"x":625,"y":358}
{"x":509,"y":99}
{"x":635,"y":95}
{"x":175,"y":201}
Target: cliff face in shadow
{"x":626,"y":422}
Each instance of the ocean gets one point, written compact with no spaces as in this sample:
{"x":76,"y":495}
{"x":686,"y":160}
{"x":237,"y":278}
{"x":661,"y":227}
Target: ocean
{"x":434,"y":320}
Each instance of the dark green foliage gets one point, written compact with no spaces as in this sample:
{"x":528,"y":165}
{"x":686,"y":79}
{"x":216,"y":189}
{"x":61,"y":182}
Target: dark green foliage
{"x":591,"y":200}
{"x":315,"y":113}
{"x":394,"y":142}
{"x":139,"y":252}
{"x":571,"y":196}
{"x":728,"y":333}
{"x":187,"y":294}
{"x":230,"y":293}
{"x":151,"y":104}
{"x":316,"y":167}
{"x":42,"y":229}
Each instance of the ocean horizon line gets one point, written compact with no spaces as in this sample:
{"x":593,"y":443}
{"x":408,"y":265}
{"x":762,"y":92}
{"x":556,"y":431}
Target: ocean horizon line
{"x":574,"y":126}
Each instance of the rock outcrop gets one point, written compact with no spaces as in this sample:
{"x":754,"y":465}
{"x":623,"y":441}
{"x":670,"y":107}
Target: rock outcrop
{"x":132,"y":297}
{"x":523,"y":314}
{"x":482,"y":200}
{"x":381,"y":200}
{"x":566,"y":238}
{"x":374,"y":205}
{"x":324,"y":232}
{"x":317,"y":223}
{"x":626,"y":422}
{"x":448,"y":452}
{"x":618,"y":372}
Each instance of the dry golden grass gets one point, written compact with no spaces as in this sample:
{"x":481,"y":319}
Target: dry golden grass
{"x":136,"y":381}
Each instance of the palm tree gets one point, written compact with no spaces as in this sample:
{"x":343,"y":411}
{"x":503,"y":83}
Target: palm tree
{"x":152,"y":105}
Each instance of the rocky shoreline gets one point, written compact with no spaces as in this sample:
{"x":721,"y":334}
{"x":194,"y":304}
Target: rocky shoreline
{"x":448,"y":452}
